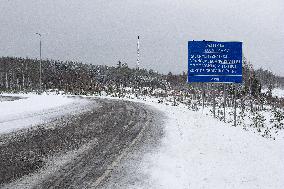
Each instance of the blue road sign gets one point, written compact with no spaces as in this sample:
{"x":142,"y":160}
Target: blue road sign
{"x":212,"y":61}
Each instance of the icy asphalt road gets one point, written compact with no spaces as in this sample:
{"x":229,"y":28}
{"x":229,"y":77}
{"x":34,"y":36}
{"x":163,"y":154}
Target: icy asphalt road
{"x":80,"y":150}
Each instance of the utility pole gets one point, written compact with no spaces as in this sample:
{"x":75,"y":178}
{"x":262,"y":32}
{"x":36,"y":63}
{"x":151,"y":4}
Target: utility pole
{"x":137,"y":66}
{"x":40,"y":81}
{"x":138,"y":53}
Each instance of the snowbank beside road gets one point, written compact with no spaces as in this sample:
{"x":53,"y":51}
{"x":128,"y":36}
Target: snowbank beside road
{"x":201,"y":152}
{"x":33,"y":109}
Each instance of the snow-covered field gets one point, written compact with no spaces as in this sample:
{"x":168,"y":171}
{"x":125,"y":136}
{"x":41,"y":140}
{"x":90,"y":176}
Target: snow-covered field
{"x":34,"y":109}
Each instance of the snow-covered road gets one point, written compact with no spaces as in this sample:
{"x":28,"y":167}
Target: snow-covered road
{"x":75,"y":150}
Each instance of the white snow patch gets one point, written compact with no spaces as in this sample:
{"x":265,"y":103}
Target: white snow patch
{"x":33,"y":109}
{"x":275,"y":92}
{"x":278,"y":92}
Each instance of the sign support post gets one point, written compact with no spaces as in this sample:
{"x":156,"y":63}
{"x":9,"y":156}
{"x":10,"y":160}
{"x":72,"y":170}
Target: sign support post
{"x":224,"y":103}
{"x":214,"y":103}
{"x":203,"y":96}
{"x":235,"y":105}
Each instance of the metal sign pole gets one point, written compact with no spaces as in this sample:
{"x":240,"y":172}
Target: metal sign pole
{"x":214,"y":103}
{"x":235,"y":105}
{"x":203,"y":96}
{"x":224,"y":103}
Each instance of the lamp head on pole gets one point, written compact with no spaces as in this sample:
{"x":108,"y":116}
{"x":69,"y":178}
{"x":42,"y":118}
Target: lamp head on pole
{"x":38,"y":34}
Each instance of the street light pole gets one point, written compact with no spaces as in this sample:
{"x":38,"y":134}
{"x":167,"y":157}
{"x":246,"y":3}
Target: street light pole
{"x":40,"y":82}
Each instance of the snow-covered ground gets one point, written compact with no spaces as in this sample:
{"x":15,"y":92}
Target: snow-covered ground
{"x":199,"y":151}
{"x":34,"y":109}
{"x":278,"y":92}
{"x":275,"y":92}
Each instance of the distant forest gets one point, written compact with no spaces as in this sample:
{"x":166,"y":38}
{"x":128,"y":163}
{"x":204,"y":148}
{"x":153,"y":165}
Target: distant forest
{"x":22,"y":74}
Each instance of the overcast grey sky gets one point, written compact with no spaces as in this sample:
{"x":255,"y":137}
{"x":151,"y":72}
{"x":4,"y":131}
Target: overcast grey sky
{"x":105,"y":31}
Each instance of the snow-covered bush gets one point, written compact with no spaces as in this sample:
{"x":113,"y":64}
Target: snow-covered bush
{"x":277,"y":118}
{"x":258,"y":120}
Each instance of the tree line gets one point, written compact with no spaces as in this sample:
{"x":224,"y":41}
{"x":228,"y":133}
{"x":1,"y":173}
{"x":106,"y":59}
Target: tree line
{"x":22,"y":74}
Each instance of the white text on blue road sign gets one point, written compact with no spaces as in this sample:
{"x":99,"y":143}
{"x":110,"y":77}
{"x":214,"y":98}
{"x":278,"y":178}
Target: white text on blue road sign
{"x":211,"y":61}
